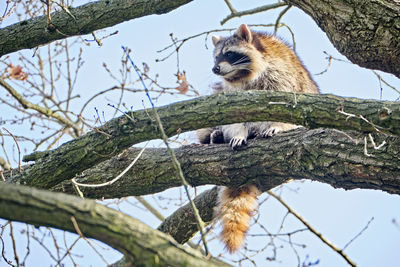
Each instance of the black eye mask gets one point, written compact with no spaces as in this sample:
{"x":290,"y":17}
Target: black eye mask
{"x":232,"y":58}
{"x":236,"y":58}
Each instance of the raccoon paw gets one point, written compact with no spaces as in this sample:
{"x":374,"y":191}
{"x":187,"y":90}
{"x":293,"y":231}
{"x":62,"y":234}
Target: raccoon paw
{"x":217,"y":137}
{"x":271,"y":132}
{"x":237,"y":142}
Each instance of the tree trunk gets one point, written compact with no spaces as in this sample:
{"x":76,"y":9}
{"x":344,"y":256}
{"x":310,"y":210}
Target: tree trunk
{"x":366,"y":32}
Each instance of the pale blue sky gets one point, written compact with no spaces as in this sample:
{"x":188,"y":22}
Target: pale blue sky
{"x":338,"y":214}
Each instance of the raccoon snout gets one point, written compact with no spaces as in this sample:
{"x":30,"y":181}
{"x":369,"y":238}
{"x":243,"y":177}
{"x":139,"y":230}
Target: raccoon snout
{"x":216,"y":69}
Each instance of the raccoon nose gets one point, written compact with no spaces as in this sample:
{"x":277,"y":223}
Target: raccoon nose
{"x":216,"y":69}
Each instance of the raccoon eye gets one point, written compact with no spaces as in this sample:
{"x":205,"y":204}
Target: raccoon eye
{"x":228,"y":54}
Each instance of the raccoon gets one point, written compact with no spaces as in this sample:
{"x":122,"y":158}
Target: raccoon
{"x":250,"y":60}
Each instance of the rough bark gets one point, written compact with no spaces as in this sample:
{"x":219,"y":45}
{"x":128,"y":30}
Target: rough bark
{"x":143,"y":246}
{"x":325,"y":155}
{"x":85,"y":19}
{"x":312,"y":111}
{"x":183,"y":230}
{"x":366,"y":32}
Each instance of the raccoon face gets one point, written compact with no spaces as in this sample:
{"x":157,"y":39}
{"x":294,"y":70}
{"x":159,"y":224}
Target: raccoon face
{"x":231,"y":64}
{"x":235,"y":57}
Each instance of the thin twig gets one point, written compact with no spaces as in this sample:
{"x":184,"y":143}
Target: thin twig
{"x":28,"y":247}
{"x":29,"y":105}
{"x":3,"y":254}
{"x":278,"y":20}
{"x":200,"y":223}
{"x":116,"y":178}
{"x":19,"y":150}
{"x":76,"y":226}
{"x":14,"y":244}
{"x":357,"y":235}
{"x":349,"y":115}
{"x":385,"y":82}
{"x":252,"y":11}
{"x":150,"y":208}
{"x":178,"y":43}
{"x":65,"y":9}
{"x":8,"y":13}
{"x":371,"y":139}
{"x":231,"y":8}
{"x":158,"y":215}
{"x":314,"y":231}
{"x":330,"y":58}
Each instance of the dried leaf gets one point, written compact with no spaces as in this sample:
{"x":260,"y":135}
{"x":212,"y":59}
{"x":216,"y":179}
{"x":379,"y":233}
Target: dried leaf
{"x":15,"y":72}
{"x":183,"y":87}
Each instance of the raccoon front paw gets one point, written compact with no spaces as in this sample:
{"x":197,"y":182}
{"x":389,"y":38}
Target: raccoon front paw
{"x":217,"y":137}
{"x":237,"y":142}
{"x":271,"y":132}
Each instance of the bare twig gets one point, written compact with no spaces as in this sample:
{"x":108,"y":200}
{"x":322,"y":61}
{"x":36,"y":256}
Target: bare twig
{"x":99,"y":43}
{"x":7,"y":12}
{"x":385,"y":82}
{"x":231,"y":8}
{"x":14,"y":244}
{"x":313,"y":230}
{"x":29,"y":105}
{"x":68,"y":249}
{"x":371,"y":139}
{"x":76,"y":226}
{"x":360,"y":233}
{"x":28,"y":247}
{"x":150,"y":208}
{"x":3,"y":254}
{"x":117,"y":177}
{"x":55,"y":242}
{"x":178,"y":43}
{"x":175,"y":161}
{"x":349,"y":115}
{"x":235,"y":14}
{"x":19,"y":150}
{"x":65,"y":8}
{"x":278,"y":20}
{"x":330,"y":58}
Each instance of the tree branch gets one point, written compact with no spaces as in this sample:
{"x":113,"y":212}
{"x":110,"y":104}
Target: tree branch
{"x":325,"y":155}
{"x":366,"y":32}
{"x":143,"y":245}
{"x":81,"y":20}
{"x":53,"y":167}
{"x":183,"y":230}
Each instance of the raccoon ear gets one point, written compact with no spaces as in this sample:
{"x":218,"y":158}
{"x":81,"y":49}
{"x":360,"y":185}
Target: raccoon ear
{"x":216,"y":39}
{"x":243,"y":32}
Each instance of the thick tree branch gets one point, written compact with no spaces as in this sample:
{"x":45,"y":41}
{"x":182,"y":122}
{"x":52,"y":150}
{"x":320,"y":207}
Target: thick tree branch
{"x":183,"y":230}
{"x":366,"y":32}
{"x":84,"y":20}
{"x":53,"y":167}
{"x":143,"y":245}
{"x":325,"y":155}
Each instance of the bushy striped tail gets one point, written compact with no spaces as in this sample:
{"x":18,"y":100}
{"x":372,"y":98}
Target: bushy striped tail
{"x":235,"y":209}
